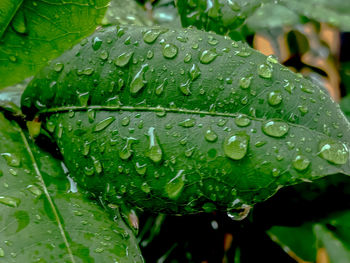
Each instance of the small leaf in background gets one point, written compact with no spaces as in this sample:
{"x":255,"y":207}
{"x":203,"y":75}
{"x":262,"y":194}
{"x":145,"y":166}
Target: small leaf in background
{"x":42,"y":220}
{"x":204,"y":123}
{"x":40,"y":31}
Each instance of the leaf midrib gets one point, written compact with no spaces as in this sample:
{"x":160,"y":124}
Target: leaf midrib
{"x":42,"y":182}
{"x":162,"y":109}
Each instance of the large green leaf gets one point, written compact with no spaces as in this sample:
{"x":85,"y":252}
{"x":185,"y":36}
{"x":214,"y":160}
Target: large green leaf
{"x":185,"y":121}
{"x":44,"y":219}
{"x":225,"y":16}
{"x":40,"y":31}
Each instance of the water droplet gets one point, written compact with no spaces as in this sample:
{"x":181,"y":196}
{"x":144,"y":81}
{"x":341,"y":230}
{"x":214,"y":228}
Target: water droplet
{"x":34,"y":190}
{"x":242,"y":121}
{"x":123,"y":59}
{"x":260,"y":143}
{"x":126,"y":151}
{"x":289,"y":87}
{"x":303,"y":109}
{"x":103,"y":55}
{"x":91,"y":115}
{"x":207,"y":56}
{"x":9,"y":201}
{"x":234,"y":6}
{"x":185,"y":88}
{"x":274,"y":98}
{"x":2,"y":253}
{"x":275,"y":128}
{"x":301,"y":163}
{"x":236,"y":145}
{"x":97,"y":165}
{"x":11,"y":159}
{"x":141,"y":168}
{"x":307,"y":89}
{"x":194,"y":72}
{"x":86,"y":148}
{"x":151,"y":35}
{"x":138,"y":81}
{"x":83,"y":98}
{"x":154,"y":151}
{"x":333,"y":151}
{"x":265,"y":71}
{"x":275,"y":172}
{"x":96,"y":43}
{"x":187,"y":58}
{"x":174,"y":187}
{"x":240,"y":212}
{"x":187,"y":123}
{"x":86,"y":71}
{"x":244,"y":82}
{"x":272,"y":59}
{"x":160,"y":88}
{"x":58,"y":67}
{"x":125,"y":121}
{"x":145,"y":188}
{"x":210,"y":135}
{"x":169,"y":51}
{"x":189,"y":152}
{"x":50,"y":126}
{"x":103,"y":124}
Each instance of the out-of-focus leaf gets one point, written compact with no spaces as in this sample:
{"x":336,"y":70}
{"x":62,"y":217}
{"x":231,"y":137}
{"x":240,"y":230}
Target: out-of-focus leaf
{"x":122,"y":12}
{"x":226,"y":16}
{"x":42,"y":30}
{"x":165,"y":13}
{"x":44,"y":219}
{"x":187,"y":120}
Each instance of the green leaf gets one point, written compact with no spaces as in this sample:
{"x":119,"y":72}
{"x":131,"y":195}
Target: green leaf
{"x":8,"y":9}
{"x":44,"y":219}
{"x":226,"y":16}
{"x":187,"y":120}
{"x":40,"y":31}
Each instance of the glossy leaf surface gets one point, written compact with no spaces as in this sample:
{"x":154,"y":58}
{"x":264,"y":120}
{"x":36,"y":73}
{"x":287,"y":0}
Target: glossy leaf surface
{"x":44,"y":219}
{"x":38,"y":31}
{"x":190,"y":121}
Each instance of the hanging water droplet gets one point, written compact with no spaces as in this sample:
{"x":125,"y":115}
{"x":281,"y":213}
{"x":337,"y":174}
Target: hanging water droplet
{"x":11,"y":159}
{"x":187,"y":123}
{"x":236,"y":145}
{"x":58,"y":67}
{"x":174,"y":187}
{"x":210,"y":135}
{"x":126,"y":151}
{"x":154,"y":151}
{"x":145,"y":188}
{"x":240,"y":210}
{"x":91,"y":115}
{"x":194,"y":72}
{"x":169,"y":51}
{"x":301,"y":163}
{"x":50,"y":126}
{"x":34,"y":190}
{"x":103,"y":124}
{"x":333,"y":151}
{"x":185,"y":88}
{"x":123,"y":59}
{"x":138,"y":81}
{"x":9,"y":201}
{"x":83,"y":98}
{"x":125,"y":121}
{"x":96,"y":43}
{"x":141,"y":168}
{"x":151,"y":35}
{"x":244,"y":82}
{"x":207,"y":56}
{"x":275,"y":128}
{"x":265,"y":71}
{"x":242,"y":120}
{"x":274,"y":98}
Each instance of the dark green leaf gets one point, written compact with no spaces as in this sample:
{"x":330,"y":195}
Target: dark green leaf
{"x":8,"y":9}
{"x":202,"y":123}
{"x":44,"y":219}
{"x":42,"y":30}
